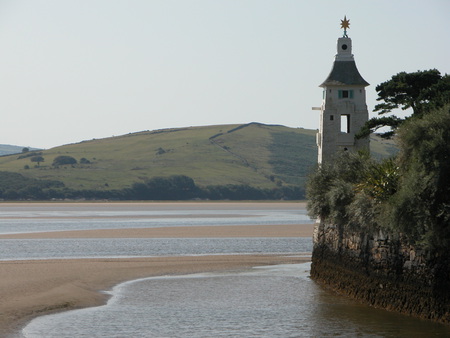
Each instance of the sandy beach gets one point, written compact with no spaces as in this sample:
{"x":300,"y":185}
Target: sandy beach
{"x":36,"y":287}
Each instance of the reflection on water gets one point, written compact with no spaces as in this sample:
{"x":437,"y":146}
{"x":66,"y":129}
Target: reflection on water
{"x":279,"y":301}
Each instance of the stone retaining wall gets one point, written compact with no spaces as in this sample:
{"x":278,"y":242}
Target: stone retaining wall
{"x":383,"y":270}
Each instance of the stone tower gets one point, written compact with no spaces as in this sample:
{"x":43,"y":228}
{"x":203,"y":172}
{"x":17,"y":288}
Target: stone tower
{"x":343,"y":111}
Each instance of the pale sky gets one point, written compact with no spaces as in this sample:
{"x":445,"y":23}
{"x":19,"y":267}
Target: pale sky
{"x":74,"y":70}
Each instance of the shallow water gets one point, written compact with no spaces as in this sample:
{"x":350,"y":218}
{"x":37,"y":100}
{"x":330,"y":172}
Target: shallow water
{"x":277,"y":301}
{"x":21,"y":218}
{"x":19,"y":249}
{"x":59,"y":217}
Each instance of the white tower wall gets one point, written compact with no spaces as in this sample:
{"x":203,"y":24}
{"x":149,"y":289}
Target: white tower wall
{"x":343,"y":111}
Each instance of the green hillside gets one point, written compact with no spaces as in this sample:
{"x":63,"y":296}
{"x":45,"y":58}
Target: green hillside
{"x":251,"y":154}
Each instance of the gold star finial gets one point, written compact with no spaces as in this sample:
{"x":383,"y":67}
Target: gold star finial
{"x":345,"y":24}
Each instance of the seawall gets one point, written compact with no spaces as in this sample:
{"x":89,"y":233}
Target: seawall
{"x":382,"y":269}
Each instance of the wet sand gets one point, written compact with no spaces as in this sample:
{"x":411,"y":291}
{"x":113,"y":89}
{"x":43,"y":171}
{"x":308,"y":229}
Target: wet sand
{"x":35,"y":287}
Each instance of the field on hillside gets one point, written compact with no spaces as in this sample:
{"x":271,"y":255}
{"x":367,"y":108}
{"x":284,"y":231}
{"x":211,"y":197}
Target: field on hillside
{"x":251,"y":154}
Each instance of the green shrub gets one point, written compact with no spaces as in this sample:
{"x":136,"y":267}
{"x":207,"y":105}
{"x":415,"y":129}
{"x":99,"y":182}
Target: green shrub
{"x":380,"y":180}
{"x":62,"y":160}
{"x":332,"y":187}
{"x":421,"y":208}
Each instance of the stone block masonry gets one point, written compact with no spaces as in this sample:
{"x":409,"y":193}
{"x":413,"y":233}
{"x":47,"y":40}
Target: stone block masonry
{"x":382,"y":269}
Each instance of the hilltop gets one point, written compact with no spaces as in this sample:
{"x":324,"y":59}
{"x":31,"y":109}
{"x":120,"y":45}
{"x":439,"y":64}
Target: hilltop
{"x":254,"y":154}
{"x":7,"y":149}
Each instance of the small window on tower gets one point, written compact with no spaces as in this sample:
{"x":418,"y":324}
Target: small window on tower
{"x":331,"y":117}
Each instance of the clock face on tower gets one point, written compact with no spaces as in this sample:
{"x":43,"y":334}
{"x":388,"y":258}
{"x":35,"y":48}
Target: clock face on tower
{"x":344,"y":46}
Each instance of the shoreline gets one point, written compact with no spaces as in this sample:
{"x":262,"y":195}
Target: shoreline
{"x":32,"y":288}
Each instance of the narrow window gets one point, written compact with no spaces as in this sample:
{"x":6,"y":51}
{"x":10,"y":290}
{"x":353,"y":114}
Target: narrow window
{"x":331,"y":117}
{"x":345,"y":123}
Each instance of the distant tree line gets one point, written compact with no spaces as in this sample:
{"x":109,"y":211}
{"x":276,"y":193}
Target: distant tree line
{"x":14,"y":186}
{"x":58,"y":161}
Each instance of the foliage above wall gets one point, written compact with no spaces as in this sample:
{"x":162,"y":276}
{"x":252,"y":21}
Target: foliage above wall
{"x":421,"y":91}
{"x":409,"y":193}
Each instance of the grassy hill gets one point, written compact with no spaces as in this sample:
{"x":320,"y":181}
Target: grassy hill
{"x":252,"y":154}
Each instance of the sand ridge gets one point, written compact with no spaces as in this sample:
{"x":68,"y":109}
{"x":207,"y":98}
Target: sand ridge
{"x":281,"y":230}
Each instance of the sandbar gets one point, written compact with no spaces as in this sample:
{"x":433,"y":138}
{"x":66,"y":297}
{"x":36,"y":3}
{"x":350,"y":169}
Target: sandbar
{"x":281,"y":230}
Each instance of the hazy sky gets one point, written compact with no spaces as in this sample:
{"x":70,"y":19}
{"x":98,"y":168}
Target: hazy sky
{"x":73,"y":70}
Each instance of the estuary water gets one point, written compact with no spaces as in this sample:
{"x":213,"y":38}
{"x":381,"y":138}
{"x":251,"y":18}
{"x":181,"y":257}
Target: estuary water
{"x":276,"y":301}
{"x":20,"y":249}
{"x":42,"y":217}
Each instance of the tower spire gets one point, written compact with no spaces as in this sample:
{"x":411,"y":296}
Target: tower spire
{"x":345,"y":24}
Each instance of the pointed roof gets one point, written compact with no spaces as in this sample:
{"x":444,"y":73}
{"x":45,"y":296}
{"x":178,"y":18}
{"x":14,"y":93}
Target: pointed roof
{"x":344,"y":73}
